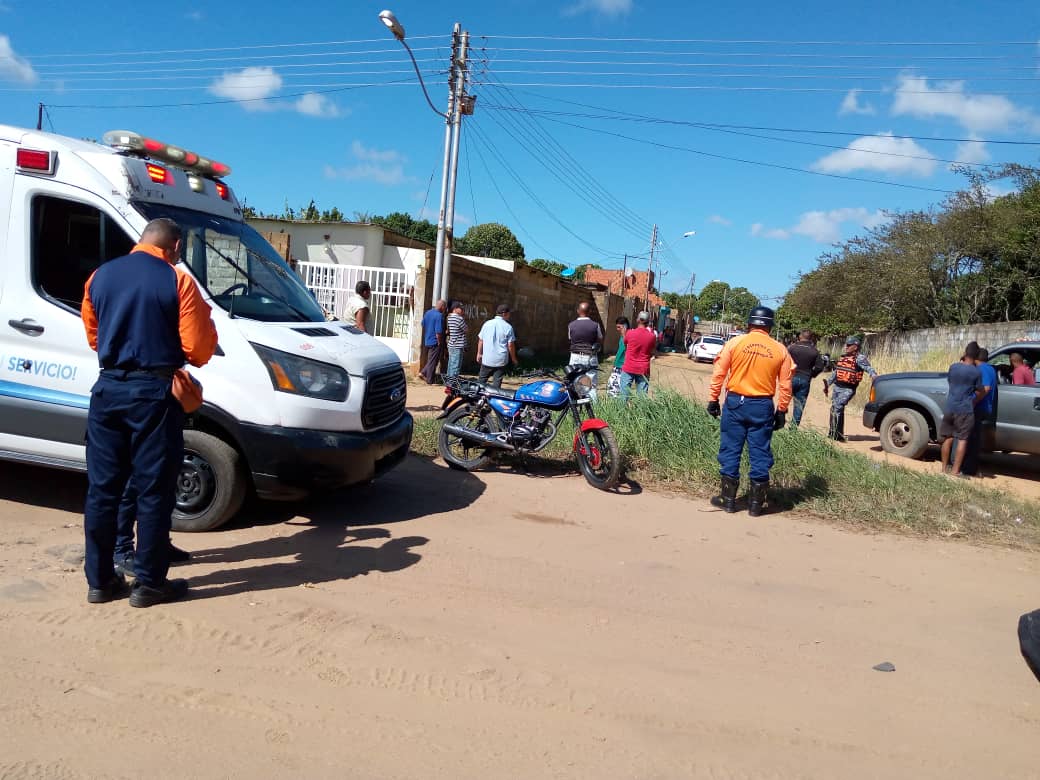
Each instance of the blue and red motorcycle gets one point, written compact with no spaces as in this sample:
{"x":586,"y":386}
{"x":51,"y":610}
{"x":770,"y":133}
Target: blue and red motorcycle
{"x":480,"y":420}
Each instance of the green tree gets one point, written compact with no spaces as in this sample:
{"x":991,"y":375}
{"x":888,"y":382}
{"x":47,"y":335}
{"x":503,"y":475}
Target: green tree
{"x":490,"y":240}
{"x":550,"y":266}
{"x":399,"y":222}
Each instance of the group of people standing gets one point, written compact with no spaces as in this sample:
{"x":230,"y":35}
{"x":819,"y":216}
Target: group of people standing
{"x":449,"y":336}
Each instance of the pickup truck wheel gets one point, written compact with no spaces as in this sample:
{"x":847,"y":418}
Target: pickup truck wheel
{"x":211,"y":484}
{"x":905,"y":432}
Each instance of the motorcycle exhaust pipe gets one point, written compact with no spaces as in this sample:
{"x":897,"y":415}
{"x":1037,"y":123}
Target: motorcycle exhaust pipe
{"x":478,"y":437}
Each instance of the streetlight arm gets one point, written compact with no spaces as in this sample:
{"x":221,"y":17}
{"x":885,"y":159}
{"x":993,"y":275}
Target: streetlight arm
{"x":422,"y":84}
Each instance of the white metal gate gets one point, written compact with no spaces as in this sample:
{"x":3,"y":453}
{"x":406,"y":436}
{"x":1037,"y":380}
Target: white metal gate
{"x":389,"y":307}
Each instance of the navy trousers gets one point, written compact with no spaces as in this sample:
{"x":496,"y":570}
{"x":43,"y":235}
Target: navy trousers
{"x":135,"y":432}
{"x":747,"y":420}
{"x":800,"y":393}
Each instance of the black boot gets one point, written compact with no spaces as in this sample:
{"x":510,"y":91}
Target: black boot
{"x":837,"y":431}
{"x":727,"y":497}
{"x":757,"y":498}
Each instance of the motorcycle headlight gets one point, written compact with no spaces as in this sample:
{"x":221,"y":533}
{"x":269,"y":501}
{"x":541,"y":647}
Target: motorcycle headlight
{"x":583,"y":385}
{"x":300,"y":376}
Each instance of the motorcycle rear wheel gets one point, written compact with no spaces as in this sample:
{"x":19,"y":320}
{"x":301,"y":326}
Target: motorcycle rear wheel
{"x":600,"y":463}
{"x":459,"y":453}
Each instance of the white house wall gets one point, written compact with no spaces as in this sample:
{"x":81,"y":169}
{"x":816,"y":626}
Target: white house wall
{"x":408,"y":259}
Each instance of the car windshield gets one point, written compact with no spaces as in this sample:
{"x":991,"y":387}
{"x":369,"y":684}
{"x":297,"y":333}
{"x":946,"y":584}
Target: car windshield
{"x":240,"y":270}
{"x":716,"y":342}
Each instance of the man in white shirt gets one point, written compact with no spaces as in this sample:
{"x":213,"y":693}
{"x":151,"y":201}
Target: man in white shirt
{"x":496,"y":347}
{"x":357,"y":305}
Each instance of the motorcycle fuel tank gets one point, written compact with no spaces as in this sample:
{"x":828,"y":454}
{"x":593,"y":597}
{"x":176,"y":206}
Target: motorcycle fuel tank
{"x":543,"y":393}
{"x":505,"y":408}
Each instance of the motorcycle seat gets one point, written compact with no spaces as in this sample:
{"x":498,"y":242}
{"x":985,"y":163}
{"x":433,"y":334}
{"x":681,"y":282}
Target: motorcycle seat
{"x":498,"y":392}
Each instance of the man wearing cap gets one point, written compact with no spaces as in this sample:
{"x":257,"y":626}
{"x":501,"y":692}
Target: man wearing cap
{"x":496,"y":346}
{"x":457,"y":332}
{"x":585,"y":336}
{"x":754,"y":367}
{"x":640,"y":343}
{"x":848,"y":373}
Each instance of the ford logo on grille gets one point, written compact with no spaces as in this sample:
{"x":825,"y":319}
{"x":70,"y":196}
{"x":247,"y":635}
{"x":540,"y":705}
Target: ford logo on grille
{"x":396,"y":393}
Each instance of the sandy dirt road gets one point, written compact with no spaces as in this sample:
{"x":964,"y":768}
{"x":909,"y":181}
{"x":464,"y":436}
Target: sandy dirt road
{"x":500,"y":625}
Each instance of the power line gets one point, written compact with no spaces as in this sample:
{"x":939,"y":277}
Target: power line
{"x":220,"y":70}
{"x":929,"y":158}
{"x":311,"y":87}
{"x":619,"y":114}
{"x":557,"y":161}
{"x":777,"y":76}
{"x":786,"y":55}
{"x":739,"y":65}
{"x":271,"y":98}
{"x":752,"y":162}
{"x":151,"y":52}
{"x":723,"y":88}
{"x":490,"y":36}
{"x":266,"y":58}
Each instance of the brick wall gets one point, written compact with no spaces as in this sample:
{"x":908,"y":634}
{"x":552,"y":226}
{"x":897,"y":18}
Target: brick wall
{"x":542,"y":305}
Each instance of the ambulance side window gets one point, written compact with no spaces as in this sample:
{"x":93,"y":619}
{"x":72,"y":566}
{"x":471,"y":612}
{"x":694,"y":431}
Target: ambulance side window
{"x":69,"y":241}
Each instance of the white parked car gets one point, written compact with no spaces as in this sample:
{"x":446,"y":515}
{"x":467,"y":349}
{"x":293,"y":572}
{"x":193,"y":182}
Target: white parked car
{"x":706,"y":348}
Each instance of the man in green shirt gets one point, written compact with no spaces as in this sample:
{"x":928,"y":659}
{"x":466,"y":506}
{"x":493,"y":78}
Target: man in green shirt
{"x":614,"y":381}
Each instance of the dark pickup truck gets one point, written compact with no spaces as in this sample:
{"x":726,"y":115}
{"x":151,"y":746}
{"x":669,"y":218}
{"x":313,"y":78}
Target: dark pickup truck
{"x":906,"y":408}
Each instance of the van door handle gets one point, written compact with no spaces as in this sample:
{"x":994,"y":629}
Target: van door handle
{"x":26,"y":326}
{"x":1036,"y":404}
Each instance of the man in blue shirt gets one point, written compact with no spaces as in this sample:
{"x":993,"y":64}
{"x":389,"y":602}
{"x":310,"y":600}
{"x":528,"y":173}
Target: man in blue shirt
{"x":496,"y":347}
{"x":965,"y":390}
{"x":983,"y":413}
{"x":433,"y":340}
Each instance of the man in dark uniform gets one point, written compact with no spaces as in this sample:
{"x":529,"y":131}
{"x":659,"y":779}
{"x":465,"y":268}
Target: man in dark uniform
{"x":145,"y":318}
{"x":586,"y":337}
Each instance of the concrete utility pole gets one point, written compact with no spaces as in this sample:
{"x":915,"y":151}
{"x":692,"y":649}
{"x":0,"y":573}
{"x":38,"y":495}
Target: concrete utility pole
{"x":650,"y":267}
{"x":463,"y":104}
{"x":459,"y":104}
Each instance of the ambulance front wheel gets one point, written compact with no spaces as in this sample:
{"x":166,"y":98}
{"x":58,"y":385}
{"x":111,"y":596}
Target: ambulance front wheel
{"x":211,"y":484}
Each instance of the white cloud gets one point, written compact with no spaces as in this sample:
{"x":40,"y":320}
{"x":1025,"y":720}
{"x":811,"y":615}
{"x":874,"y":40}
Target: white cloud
{"x":313,"y":104}
{"x":851,"y":105}
{"x":253,"y":84}
{"x":13,"y":67}
{"x":720,"y":220}
{"x":822,"y":226}
{"x":760,"y":231}
{"x":972,"y":153}
{"x":914,"y":96}
{"x":881,"y":153}
{"x":382,"y":166}
{"x":994,"y":191}
{"x":195,"y":16}
{"x":603,"y":7}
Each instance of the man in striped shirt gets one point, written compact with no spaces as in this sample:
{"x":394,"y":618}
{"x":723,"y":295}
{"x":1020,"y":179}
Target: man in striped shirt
{"x":457,"y":332}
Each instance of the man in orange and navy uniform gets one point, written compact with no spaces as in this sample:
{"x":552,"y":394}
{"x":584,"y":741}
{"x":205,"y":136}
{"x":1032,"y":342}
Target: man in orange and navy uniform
{"x":145,"y":318}
{"x":758,"y":367}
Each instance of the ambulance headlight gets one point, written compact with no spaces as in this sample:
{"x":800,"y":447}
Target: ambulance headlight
{"x":300,"y":376}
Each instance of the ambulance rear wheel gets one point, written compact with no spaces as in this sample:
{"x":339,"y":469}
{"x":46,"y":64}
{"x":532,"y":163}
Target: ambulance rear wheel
{"x":211,"y":484}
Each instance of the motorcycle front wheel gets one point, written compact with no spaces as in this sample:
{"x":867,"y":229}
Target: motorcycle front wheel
{"x":459,"y":453}
{"x":599,"y":459}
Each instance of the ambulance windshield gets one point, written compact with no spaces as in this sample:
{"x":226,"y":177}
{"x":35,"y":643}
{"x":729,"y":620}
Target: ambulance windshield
{"x":242,"y":272}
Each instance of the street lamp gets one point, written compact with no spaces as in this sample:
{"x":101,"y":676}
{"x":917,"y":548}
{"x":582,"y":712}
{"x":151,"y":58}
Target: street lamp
{"x":458,"y":104}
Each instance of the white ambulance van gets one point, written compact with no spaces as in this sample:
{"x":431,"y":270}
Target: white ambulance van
{"x":293,"y":402}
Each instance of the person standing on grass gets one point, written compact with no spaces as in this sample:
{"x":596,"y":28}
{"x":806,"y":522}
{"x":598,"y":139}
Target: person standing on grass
{"x":1021,"y":374}
{"x":433,"y":340}
{"x":754,"y":367}
{"x":808,"y":364}
{"x":496,"y":346}
{"x":640,"y":344}
{"x":457,"y":332}
{"x":983,"y":412}
{"x":614,"y":381}
{"x":848,"y":373}
{"x":965,"y":391}
{"x":586,"y":338}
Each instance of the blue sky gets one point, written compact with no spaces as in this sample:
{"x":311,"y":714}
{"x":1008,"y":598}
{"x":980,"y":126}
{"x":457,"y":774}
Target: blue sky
{"x":586,"y":113}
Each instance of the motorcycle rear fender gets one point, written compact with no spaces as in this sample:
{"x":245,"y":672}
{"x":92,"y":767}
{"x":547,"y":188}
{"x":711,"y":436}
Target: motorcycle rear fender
{"x":591,"y":424}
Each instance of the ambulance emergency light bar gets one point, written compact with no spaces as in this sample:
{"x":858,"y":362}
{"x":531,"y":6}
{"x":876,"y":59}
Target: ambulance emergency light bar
{"x":157,"y":150}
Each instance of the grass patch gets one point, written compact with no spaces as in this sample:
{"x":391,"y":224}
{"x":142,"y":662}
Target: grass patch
{"x":671,"y":442}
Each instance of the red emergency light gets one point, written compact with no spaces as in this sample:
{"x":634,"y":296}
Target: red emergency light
{"x":160,"y":175}
{"x":222,"y":190}
{"x":36,"y":160}
{"x":157,"y":150}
